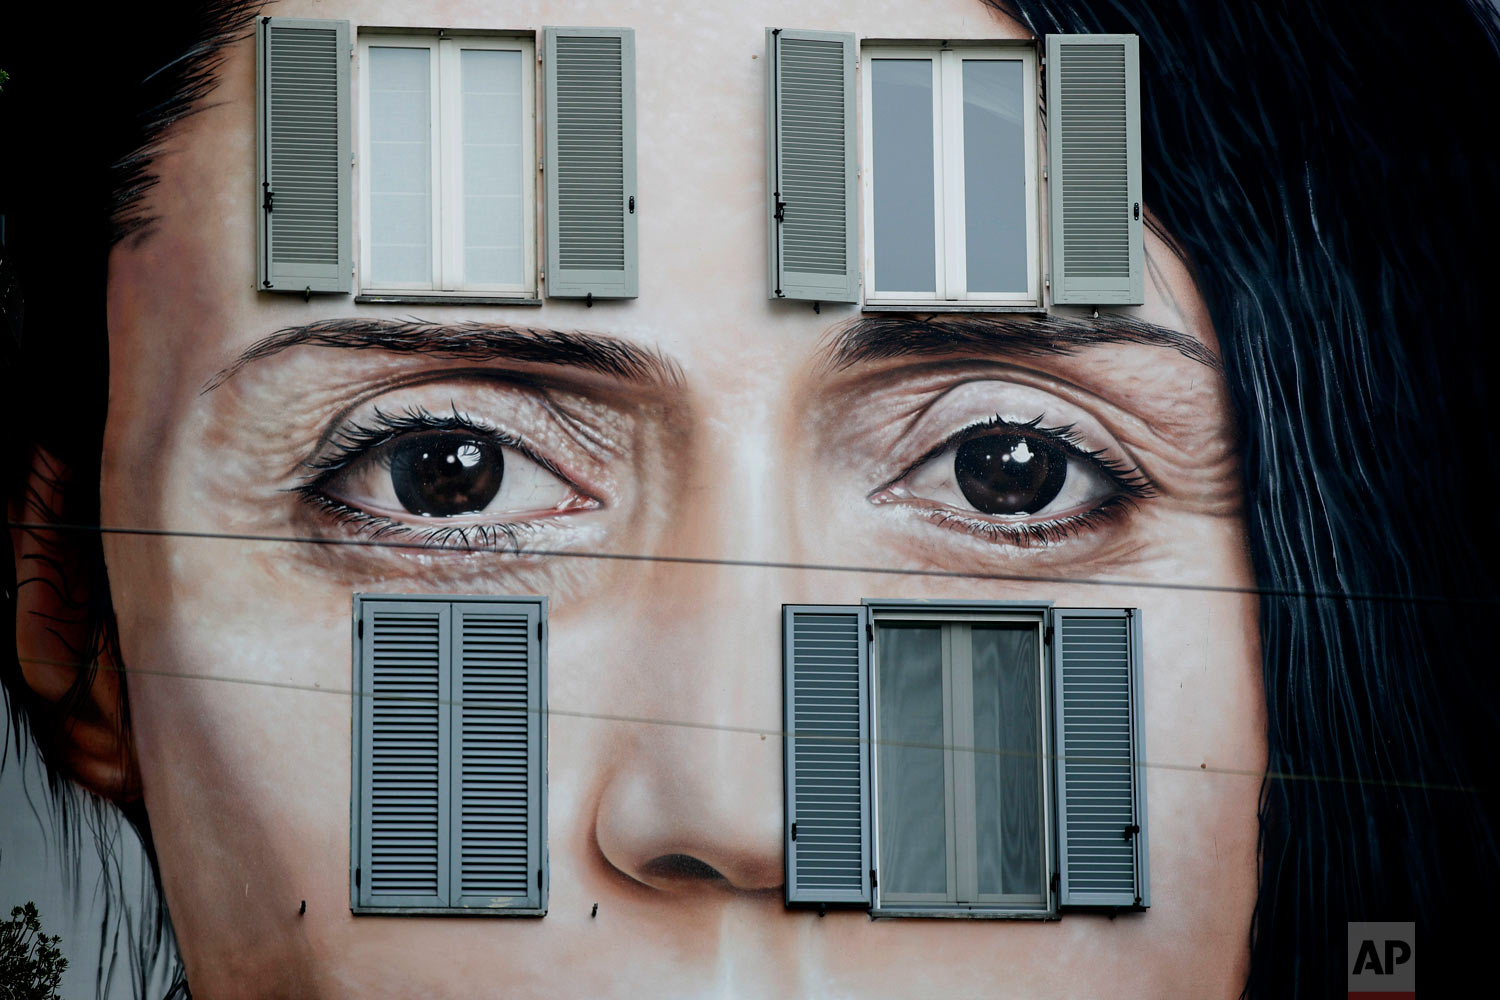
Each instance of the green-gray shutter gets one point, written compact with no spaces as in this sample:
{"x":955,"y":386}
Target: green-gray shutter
{"x":497,"y":806}
{"x":1101,"y":776}
{"x":305,"y":235}
{"x":1094,"y":169}
{"x":403,"y":755}
{"x":811,"y":165}
{"x":825,"y":658}
{"x":589,"y":105}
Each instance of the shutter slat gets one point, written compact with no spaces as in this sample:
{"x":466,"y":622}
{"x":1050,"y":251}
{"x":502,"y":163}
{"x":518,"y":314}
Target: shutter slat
{"x":305,"y":237}
{"x":827,"y":762}
{"x":1101,"y":785}
{"x":811,"y":165}
{"x":590,"y":126}
{"x":1093,"y":120}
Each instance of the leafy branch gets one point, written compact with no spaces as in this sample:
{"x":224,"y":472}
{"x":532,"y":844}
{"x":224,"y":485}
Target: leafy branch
{"x":31,"y":963}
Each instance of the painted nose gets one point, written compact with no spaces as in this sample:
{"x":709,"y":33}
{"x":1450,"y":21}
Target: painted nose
{"x":694,"y":799}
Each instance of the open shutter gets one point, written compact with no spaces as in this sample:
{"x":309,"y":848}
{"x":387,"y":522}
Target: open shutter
{"x":304,"y":163}
{"x":497,"y":771}
{"x":589,"y":79}
{"x":826,"y":656}
{"x":1101,"y":778}
{"x":1094,"y":154}
{"x":811,"y":165}
{"x":402,"y":758}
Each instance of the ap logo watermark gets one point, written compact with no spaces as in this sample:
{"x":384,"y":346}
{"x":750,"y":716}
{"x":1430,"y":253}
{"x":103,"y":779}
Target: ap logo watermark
{"x":1382,"y":961}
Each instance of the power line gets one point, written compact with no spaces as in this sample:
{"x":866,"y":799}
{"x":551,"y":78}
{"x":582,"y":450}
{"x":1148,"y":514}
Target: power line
{"x":1334,"y":595}
{"x":781,"y":734}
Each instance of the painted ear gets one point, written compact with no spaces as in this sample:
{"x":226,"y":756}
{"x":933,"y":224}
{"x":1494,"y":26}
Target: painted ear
{"x":74,"y":691}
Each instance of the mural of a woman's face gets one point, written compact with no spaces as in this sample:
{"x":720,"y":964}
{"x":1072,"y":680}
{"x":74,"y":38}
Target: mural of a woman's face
{"x":752,"y":441}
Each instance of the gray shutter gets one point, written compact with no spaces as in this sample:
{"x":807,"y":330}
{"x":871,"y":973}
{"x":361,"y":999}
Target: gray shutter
{"x":497,"y":770}
{"x":1094,"y":168}
{"x":811,"y":165}
{"x":402,"y":755}
{"x":589,"y":98}
{"x":304,"y":162}
{"x":826,"y":658}
{"x":1101,"y":777}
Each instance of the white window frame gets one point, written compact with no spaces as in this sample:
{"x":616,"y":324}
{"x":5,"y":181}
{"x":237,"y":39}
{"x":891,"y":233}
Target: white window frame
{"x":446,"y":169}
{"x":948,"y":174}
{"x":882,"y":903}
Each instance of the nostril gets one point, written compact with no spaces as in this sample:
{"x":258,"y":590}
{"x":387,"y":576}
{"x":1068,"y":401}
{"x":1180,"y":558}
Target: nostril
{"x":681,"y":866}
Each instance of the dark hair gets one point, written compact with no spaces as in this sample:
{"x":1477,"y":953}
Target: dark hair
{"x":1321,"y":167}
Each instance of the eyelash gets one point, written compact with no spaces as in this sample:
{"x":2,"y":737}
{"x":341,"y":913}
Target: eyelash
{"x":1133,"y":485}
{"x":356,"y":440}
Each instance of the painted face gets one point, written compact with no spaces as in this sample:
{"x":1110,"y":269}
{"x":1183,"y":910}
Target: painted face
{"x":743,"y":435}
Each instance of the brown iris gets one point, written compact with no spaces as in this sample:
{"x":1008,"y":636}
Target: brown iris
{"x":442,"y":474}
{"x":1009,"y":472}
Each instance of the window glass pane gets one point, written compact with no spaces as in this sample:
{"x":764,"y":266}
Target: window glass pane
{"x":901,"y":134}
{"x":994,"y":175}
{"x":913,"y":780}
{"x":400,"y":165}
{"x":1007,"y":759}
{"x":492,"y":169}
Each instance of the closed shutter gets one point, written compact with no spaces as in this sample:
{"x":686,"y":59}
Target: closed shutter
{"x":825,"y":658}
{"x":497,"y":808}
{"x":402,"y":697}
{"x":1101,"y":780}
{"x":589,"y":95}
{"x":1094,"y":154}
{"x":304,"y":157}
{"x":811,"y":165}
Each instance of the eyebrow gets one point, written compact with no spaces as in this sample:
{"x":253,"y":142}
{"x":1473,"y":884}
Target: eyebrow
{"x":469,"y":341}
{"x":882,"y":338}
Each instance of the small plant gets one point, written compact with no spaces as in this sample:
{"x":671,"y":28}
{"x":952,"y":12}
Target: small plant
{"x":31,"y":963}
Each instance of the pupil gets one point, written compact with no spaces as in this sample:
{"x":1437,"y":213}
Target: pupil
{"x":1009,"y":473}
{"x":440,"y":475}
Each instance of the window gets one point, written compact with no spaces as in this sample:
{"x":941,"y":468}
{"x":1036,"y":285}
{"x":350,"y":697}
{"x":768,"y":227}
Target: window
{"x":448,"y":176}
{"x":964,"y":758}
{"x":449,"y":802}
{"x":950,"y":181}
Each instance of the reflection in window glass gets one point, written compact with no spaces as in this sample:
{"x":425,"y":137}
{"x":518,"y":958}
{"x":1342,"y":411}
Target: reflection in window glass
{"x":1007,"y":759}
{"x":913,"y":782}
{"x":901,"y":137}
{"x":400,"y":165}
{"x":492,"y":169}
{"x":994,"y":175}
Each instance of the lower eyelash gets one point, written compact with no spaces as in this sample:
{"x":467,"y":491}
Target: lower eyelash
{"x":1038,"y":533}
{"x":490,"y":538}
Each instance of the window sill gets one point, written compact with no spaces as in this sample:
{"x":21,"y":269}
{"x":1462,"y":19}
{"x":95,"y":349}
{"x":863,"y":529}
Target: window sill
{"x":903,"y":912}
{"x":446,"y":911}
{"x":419,"y":299}
{"x":928,"y":308}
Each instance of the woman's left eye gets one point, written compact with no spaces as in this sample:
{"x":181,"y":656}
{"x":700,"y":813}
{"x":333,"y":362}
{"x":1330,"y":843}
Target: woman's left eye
{"x":1019,"y":478}
{"x":414,"y":470}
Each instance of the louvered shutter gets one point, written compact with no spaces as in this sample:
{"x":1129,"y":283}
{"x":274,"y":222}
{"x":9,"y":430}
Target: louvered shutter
{"x":812,"y":164}
{"x":1094,"y":154}
{"x":402,"y":761}
{"x":825,"y":658}
{"x":589,"y":96}
{"x":304,"y":158}
{"x":497,"y":799}
{"x":1101,"y":778}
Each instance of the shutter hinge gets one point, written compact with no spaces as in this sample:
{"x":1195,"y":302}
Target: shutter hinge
{"x":268,"y":197}
{"x":632,"y":204}
{"x":1047,"y":636}
{"x":538,"y":878}
{"x":539,"y":629}
{"x":874,"y":882}
{"x":870,"y":631}
{"x":356,"y":876}
{"x":1056,"y":881}
{"x":361,"y":628}
{"x":794,"y":831}
{"x":780,"y":213}
{"x":1132,"y":830}
{"x":1137,"y":212}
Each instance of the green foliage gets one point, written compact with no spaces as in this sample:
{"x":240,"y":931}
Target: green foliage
{"x":31,"y":964}
{"x":3,"y":77}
